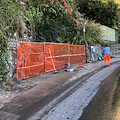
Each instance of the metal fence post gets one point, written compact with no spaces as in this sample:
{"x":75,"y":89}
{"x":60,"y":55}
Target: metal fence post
{"x":44,"y":57}
{"x":69,"y":51}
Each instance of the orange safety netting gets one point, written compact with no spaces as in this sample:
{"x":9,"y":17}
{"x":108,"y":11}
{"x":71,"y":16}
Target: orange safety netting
{"x":77,"y":54}
{"x":49,"y":58}
{"x":35,"y":58}
{"x":30,"y":59}
{"x":61,"y":53}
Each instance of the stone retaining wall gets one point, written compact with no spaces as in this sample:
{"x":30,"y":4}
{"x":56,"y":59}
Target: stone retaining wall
{"x":114,"y":51}
{"x":94,"y":55}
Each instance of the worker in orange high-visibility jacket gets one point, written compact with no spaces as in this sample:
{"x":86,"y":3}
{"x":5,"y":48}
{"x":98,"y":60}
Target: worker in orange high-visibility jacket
{"x":106,"y":53}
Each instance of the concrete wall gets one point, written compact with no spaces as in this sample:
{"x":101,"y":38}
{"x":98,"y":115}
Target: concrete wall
{"x":26,"y":32}
{"x":96,"y":52}
{"x":114,"y":51}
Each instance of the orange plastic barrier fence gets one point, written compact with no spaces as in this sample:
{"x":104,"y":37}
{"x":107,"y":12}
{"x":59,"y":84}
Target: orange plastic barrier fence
{"x":77,"y":54}
{"x":36,"y":58}
{"x":49,"y":57}
{"x":61,"y":55}
{"x":30,"y":59}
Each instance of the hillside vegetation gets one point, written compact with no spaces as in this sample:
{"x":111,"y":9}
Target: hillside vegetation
{"x":105,"y":12}
{"x":45,"y":22}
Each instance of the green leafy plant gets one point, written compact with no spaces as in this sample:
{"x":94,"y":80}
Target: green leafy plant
{"x":105,"y":13}
{"x":50,"y":23}
{"x":11,"y":17}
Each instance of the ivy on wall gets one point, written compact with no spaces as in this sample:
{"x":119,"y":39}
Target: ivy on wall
{"x":7,"y":24}
{"x":11,"y":17}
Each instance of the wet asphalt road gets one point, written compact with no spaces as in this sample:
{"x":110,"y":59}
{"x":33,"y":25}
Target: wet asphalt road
{"x":102,"y":105}
{"x":80,"y":99}
{"x":90,"y":99}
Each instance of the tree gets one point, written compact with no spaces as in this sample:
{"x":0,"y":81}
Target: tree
{"x":105,"y":13}
{"x":47,"y":22}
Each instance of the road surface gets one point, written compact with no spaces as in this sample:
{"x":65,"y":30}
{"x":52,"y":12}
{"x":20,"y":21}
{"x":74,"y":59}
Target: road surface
{"x":72,"y":106}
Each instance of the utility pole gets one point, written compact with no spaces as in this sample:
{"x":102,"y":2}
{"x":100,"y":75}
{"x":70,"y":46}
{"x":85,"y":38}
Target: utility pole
{"x":86,"y":44}
{"x":77,"y":23}
{"x":84,"y":30}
